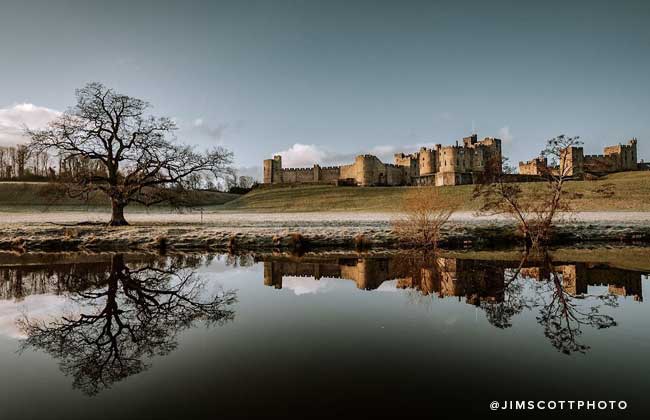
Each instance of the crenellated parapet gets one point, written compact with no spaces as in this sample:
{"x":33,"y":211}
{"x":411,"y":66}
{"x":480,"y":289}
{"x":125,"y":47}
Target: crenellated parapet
{"x":451,"y":165}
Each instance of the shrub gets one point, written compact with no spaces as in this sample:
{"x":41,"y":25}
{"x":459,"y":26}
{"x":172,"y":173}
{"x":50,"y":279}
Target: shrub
{"x":424,"y":213}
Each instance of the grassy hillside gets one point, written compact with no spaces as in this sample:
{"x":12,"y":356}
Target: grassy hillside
{"x":631,"y":193}
{"x":19,"y":196}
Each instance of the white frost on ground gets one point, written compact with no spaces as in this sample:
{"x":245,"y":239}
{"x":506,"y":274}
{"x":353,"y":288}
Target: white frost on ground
{"x":233,"y":218}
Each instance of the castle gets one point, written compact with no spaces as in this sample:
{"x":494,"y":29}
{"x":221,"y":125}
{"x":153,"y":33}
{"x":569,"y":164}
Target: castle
{"x":441,"y":165}
{"x":449,"y":277}
{"x":618,"y":158}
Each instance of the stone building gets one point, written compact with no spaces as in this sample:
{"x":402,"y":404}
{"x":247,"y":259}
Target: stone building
{"x":446,"y":277}
{"x":475,"y":280}
{"x":578,"y":277}
{"x":441,"y":165}
{"x":618,"y":158}
{"x":537,"y":166}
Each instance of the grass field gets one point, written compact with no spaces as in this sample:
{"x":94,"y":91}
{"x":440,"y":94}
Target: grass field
{"x":22,"y":196}
{"x":631,"y":193}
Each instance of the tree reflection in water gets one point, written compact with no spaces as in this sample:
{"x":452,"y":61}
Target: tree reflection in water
{"x":132,"y":312}
{"x":514,"y":301}
{"x":499,"y":287}
{"x":135,"y":313}
{"x":563,"y":312}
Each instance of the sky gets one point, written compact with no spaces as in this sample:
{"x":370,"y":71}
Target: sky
{"x":326,"y":80}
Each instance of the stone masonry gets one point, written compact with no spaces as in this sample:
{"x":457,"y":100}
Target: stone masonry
{"x":441,"y":165}
{"x":618,"y":158}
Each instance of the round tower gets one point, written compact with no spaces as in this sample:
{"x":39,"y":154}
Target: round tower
{"x":448,"y":157}
{"x":427,"y":161}
{"x":365,"y":170}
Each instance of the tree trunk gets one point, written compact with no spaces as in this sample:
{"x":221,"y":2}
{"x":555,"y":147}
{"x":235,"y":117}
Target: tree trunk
{"x":117,"y":216}
{"x":528,"y":241}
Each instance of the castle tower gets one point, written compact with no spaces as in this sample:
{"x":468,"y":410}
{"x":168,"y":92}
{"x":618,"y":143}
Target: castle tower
{"x":273,"y":170}
{"x":365,"y":170}
{"x":634,"y":161}
{"x":427,"y":161}
{"x":571,"y":161}
{"x":316,"y":172}
{"x":470,"y":141}
{"x":368,"y":274}
{"x":272,"y":273}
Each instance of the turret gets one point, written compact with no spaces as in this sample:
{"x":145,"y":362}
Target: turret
{"x":427,"y":161}
{"x":365,"y":169}
{"x":469,"y":141}
{"x":635,"y":158}
{"x":273,"y":170}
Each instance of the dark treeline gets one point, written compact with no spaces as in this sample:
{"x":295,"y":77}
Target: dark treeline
{"x":17,"y":163}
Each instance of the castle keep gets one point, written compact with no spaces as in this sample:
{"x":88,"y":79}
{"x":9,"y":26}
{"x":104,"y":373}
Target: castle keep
{"x":618,"y":158}
{"x":441,"y":165}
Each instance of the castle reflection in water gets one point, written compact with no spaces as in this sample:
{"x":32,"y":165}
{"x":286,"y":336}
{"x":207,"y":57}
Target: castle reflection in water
{"x":475,"y":280}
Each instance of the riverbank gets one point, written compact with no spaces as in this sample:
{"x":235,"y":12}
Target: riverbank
{"x":295,"y":231}
{"x":622,"y":257}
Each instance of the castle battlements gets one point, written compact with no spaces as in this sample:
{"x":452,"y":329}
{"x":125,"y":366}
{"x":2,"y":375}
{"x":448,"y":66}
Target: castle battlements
{"x":617,"y":158}
{"x":441,"y":165}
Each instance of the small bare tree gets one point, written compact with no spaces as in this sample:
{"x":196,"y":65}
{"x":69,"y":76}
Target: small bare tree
{"x":138,"y":157}
{"x":536,"y":210}
{"x":424,"y":212}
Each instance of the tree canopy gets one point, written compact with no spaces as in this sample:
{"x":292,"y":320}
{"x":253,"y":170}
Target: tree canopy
{"x":135,"y":156}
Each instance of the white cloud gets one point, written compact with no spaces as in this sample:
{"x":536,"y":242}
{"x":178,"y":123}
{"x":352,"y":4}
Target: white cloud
{"x":505,"y":135}
{"x":214,"y":134}
{"x":13,"y":120}
{"x":37,"y":307}
{"x":308,"y":285}
{"x":303,"y":155}
{"x":255,"y":171}
{"x":384,"y":150}
{"x":389,"y":286}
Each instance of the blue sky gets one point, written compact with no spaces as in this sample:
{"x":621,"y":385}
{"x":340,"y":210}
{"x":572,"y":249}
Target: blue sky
{"x":329,"y":79}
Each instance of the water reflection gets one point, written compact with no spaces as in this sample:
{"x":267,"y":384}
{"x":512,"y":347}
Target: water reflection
{"x":125,"y":313}
{"x":122,"y":310}
{"x":559,"y":293}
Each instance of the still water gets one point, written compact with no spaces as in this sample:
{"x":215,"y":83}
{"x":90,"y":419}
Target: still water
{"x":345,"y":335}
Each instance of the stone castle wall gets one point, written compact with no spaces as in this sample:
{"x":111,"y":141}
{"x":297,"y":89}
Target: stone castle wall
{"x":535,"y":166}
{"x":449,"y":165}
{"x":451,"y":277}
{"x":618,"y":158}
{"x":625,"y":155}
{"x":600,"y":163}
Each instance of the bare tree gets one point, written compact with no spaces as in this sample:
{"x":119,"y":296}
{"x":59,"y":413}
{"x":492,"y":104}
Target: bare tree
{"x":424,"y":213}
{"x":536,"y":210}
{"x":127,"y":317}
{"x":139,"y":159}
